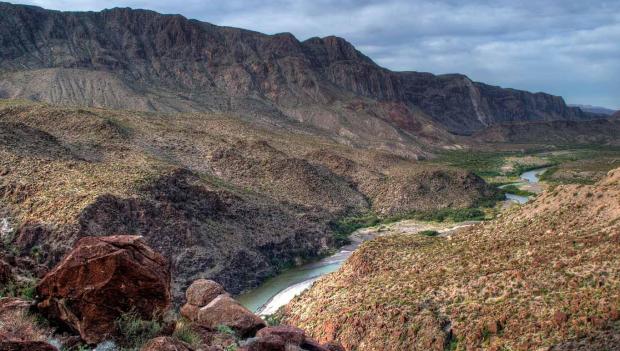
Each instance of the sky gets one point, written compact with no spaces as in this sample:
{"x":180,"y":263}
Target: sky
{"x":564,"y":47}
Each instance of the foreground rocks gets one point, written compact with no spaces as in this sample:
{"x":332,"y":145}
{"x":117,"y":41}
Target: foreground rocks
{"x":102,"y":278}
{"x":209,"y":307}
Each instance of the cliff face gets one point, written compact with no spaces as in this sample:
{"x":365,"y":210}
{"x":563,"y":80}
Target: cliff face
{"x":142,"y":60}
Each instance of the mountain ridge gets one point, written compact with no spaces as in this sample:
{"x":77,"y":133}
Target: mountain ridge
{"x":141,"y":60}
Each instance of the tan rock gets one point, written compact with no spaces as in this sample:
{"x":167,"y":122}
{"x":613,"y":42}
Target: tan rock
{"x":203,"y":291}
{"x":224,"y":310}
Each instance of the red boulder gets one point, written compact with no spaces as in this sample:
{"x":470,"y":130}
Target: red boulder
{"x":102,"y":278}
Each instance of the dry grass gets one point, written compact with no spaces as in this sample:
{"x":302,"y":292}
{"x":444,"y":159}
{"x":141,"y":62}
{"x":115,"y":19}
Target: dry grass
{"x":19,"y":325}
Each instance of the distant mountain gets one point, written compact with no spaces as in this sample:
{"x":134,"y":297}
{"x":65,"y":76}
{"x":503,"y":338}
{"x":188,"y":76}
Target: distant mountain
{"x":595,"y":109}
{"x":141,"y":60}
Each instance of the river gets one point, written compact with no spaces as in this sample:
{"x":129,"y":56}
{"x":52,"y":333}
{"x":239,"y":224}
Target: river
{"x":279,"y":290}
{"x":529,"y":179}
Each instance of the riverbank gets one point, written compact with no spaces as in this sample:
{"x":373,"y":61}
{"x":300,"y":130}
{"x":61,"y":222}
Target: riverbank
{"x":279,"y":290}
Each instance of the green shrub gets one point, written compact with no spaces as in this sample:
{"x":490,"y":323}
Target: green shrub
{"x":513,"y":189}
{"x":184,"y":332}
{"x":273,"y":320}
{"x":345,"y":226}
{"x":429,"y":232}
{"x":134,"y":332}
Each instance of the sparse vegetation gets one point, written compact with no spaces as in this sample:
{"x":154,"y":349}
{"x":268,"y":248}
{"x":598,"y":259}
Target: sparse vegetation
{"x":184,"y":332}
{"x":24,"y":289}
{"x":513,"y":189}
{"x":521,"y":281}
{"x":134,"y":332}
{"x":429,"y":233}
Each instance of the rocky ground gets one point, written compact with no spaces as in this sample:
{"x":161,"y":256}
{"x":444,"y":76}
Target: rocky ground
{"x":544,"y":276}
{"x":213,"y":193}
{"x":113,"y":293}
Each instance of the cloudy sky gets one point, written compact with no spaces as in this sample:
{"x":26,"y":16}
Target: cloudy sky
{"x":564,"y":47}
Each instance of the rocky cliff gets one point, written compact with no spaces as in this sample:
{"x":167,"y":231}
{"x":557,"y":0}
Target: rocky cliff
{"x":544,"y":276}
{"x":142,"y":60}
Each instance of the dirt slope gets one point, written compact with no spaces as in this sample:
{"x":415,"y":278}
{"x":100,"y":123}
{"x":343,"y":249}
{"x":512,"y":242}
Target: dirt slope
{"x":546,"y":275}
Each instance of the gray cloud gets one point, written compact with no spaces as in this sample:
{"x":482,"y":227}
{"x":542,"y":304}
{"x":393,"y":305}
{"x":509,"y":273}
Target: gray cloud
{"x":564,"y":47}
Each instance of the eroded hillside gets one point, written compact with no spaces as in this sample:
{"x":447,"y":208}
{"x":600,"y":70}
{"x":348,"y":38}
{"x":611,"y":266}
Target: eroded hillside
{"x":543,"y":276}
{"x":224,"y":199}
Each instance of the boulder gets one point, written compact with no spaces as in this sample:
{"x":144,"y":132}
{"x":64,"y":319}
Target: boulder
{"x":266,"y":343}
{"x":166,"y":343}
{"x":224,"y":310}
{"x":312,"y":345}
{"x":290,"y":335}
{"x":102,"y":278}
{"x":26,"y":346}
{"x":199,"y":294}
{"x":203,"y":291}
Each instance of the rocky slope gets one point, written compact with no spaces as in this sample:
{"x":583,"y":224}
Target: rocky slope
{"x":600,"y":131}
{"x":545,"y":276}
{"x":213,"y":193}
{"x":142,"y":60}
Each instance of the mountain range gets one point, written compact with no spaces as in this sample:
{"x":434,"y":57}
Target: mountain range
{"x":145,"y":61}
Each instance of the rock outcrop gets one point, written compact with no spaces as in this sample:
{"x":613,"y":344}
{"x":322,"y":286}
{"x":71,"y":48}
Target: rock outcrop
{"x":102,"y":278}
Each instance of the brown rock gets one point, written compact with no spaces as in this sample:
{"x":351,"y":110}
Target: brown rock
{"x":203,"y":291}
{"x":6,"y":274}
{"x":101,"y":278}
{"x":224,"y":310}
{"x":190,"y":311}
{"x":313,"y":345}
{"x":13,"y":303}
{"x":290,"y":335}
{"x":26,"y":346}
{"x":560,"y":317}
{"x":334,"y":346}
{"x":165,"y":343}
{"x":266,"y":343}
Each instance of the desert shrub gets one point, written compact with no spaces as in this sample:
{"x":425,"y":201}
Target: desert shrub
{"x":184,"y":332}
{"x":25,"y":289}
{"x":134,"y":332}
{"x":273,"y":320}
{"x":20,"y":325}
{"x":345,"y":226}
{"x":429,"y":232}
{"x":513,"y":189}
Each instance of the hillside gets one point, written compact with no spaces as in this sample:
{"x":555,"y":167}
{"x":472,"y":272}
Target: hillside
{"x":215,"y":194}
{"x":141,"y":60}
{"x":544,"y":276}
